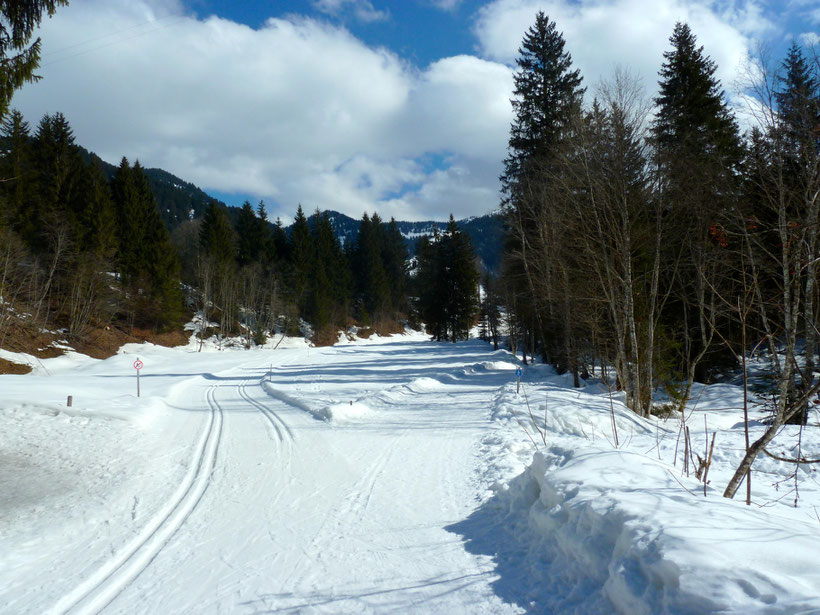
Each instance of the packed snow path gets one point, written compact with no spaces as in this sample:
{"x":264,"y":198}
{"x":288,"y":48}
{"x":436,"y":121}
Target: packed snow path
{"x":303,"y":480}
{"x":388,"y":476}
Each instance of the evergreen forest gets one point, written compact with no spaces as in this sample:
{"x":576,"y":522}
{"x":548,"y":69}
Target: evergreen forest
{"x":82,"y":252}
{"x":657,"y":237}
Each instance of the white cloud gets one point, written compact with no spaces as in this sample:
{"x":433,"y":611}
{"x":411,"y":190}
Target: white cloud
{"x":296,"y":111}
{"x":446,"y":5}
{"x":362,"y":10}
{"x":810,"y":38}
{"x":302,"y":111}
{"x":601,"y":34}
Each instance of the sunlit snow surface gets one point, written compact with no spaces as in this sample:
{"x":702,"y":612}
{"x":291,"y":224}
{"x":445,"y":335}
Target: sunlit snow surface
{"x":389,"y":475}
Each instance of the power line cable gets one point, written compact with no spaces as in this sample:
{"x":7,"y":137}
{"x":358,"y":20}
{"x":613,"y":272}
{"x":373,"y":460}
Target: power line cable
{"x":58,"y":57}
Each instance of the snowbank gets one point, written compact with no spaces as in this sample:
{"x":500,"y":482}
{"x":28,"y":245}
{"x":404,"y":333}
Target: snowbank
{"x":623,"y":518}
{"x":605,"y":528}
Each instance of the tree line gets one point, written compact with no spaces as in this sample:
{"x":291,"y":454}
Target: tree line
{"x":654,"y":237}
{"x":68,"y":235}
{"x":79,"y":252}
{"x":263,"y":277}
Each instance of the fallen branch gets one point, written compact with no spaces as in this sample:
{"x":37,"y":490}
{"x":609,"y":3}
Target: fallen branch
{"x":798,"y":461}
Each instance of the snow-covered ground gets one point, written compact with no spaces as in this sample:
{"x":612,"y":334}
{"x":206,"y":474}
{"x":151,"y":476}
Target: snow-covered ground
{"x":385,"y":475}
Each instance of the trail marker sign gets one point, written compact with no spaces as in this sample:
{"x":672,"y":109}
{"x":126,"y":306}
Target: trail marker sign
{"x":138,"y":365}
{"x":518,"y":373}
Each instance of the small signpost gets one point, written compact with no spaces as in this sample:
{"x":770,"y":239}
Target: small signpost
{"x":138,"y":366}
{"x":518,"y":373}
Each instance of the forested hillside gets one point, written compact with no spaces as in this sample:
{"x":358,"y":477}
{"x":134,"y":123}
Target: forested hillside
{"x":87,"y":245}
{"x":177,"y":199}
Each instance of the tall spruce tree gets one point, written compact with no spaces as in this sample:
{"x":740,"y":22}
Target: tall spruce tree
{"x":798,"y":105}
{"x":430,"y":286}
{"x":546,"y":96}
{"x":329,"y":279}
{"x":461,"y":276}
{"x":250,"y":237}
{"x":16,"y":170}
{"x":129,"y":227}
{"x":698,"y":158}
{"x":372,"y":286}
{"x":394,"y":256}
{"x":217,"y":238}
{"x":547,"y":103}
{"x":448,"y":283}
{"x":797,"y":142}
{"x":147,"y":259}
{"x":300,"y":252}
{"x":59,"y":167}
{"x":693,"y":119}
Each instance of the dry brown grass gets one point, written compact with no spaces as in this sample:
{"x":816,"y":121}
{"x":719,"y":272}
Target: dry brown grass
{"x":98,"y":343}
{"x":7,"y":367}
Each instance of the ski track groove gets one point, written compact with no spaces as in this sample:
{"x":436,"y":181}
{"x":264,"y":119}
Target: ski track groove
{"x":350,"y":511}
{"x":273,"y":418}
{"x":112,"y":578}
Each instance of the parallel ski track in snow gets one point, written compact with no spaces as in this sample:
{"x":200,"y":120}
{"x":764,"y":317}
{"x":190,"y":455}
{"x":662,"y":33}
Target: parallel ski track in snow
{"x":282,"y":429}
{"x":102,"y":587}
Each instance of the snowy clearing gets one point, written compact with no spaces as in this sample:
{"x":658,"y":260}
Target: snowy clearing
{"x":386,"y":475}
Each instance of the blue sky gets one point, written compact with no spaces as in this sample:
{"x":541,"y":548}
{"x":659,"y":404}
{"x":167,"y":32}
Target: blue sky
{"x":353,"y":105}
{"x":421,"y":31}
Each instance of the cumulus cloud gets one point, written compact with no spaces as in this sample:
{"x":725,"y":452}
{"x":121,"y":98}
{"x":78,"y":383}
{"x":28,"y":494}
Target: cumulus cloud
{"x":295,"y":111}
{"x":300,"y":110}
{"x":601,"y":34}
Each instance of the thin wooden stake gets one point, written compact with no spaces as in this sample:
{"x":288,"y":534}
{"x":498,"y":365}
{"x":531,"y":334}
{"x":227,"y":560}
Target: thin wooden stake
{"x":708,"y":463}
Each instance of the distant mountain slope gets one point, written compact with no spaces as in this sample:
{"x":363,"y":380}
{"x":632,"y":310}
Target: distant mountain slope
{"x":485,"y":232}
{"x":177,"y":199}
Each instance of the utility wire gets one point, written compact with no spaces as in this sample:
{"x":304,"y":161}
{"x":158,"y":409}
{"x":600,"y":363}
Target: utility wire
{"x":58,"y":56}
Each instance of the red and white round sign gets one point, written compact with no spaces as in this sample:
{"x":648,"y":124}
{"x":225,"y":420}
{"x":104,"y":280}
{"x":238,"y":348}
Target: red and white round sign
{"x":138,"y":365}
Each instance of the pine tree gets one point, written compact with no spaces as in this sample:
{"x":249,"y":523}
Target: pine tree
{"x":461,"y":275}
{"x":17,"y":205}
{"x":18,"y":59}
{"x":798,"y":106}
{"x":698,"y":158}
{"x":58,"y":165}
{"x":154,"y":268}
{"x":217,"y":238}
{"x":372,"y":289}
{"x":329,"y":279}
{"x":547,"y":104}
{"x":547,"y":94}
{"x":129,"y":226}
{"x":264,"y":236}
{"x":300,"y":251}
{"x":693,"y":120}
{"x":280,"y":241}
{"x":431,"y":286}
{"x":249,"y":236}
{"x":394,"y":255}
{"x":797,"y":143}
{"x":98,"y":221}
{"x":448,"y":283}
